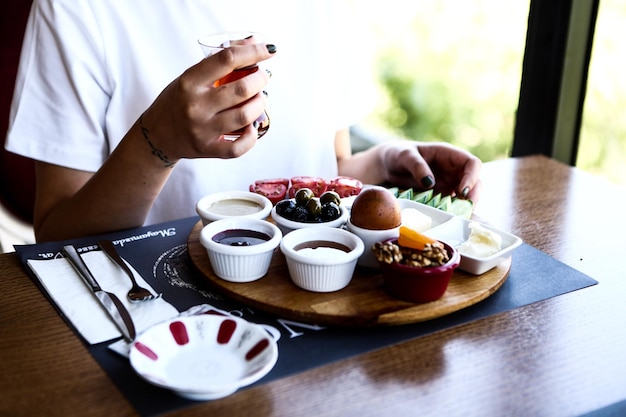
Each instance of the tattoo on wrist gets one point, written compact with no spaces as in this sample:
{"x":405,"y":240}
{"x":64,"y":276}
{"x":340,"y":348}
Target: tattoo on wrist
{"x":154,"y":150}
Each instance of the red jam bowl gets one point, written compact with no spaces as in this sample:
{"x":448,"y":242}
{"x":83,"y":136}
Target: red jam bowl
{"x":419,"y":284}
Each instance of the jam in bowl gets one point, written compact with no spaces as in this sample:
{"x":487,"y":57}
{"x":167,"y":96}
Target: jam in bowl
{"x":241,"y":237}
{"x":321,"y":259}
{"x":240,"y":249}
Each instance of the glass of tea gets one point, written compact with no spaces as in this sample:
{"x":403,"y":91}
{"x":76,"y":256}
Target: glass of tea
{"x":214,"y":43}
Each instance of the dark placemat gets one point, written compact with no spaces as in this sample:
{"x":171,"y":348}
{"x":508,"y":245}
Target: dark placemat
{"x":159,"y":253}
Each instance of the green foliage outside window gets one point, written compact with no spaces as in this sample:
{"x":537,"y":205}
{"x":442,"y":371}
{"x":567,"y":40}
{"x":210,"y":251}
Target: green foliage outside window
{"x":450,"y":71}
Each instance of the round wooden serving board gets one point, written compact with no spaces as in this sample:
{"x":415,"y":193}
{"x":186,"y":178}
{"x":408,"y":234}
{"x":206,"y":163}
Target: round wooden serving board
{"x":362,"y":303}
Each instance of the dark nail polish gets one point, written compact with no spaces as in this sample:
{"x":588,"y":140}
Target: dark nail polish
{"x":248,"y":37}
{"x":465,"y":192}
{"x":271,"y":48}
{"x":255,"y":124}
{"x":265,"y":93}
{"x":428,"y":181}
{"x":269,"y":73}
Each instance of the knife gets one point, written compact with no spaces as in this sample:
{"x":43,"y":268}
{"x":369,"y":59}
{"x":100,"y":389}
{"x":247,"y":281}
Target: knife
{"x":113,"y":306}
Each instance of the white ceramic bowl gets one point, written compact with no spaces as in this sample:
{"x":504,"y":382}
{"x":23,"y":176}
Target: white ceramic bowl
{"x":228,"y":204}
{"x":321,"y":259}
{"x":237,"y":263}
{"x":456,"y":231}
{"x":203,"y":357}
{"x":369,"y":237}
{"x":285,"y":225}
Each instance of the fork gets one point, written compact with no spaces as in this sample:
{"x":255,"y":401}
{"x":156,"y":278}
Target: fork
{"x":137,"y":293}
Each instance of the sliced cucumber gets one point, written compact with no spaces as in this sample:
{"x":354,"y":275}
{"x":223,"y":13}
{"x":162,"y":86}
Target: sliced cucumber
{"x":445,"y":203}
{"x":423,"y":197}
{"x":408,"y":194}
{"x":434,"y":202}
{"x":461,"y":208}
{"x":453,"y":205}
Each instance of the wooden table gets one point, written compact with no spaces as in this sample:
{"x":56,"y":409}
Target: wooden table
{"x":563,"y":356}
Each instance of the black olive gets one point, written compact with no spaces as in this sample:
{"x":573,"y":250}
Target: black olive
{"x":315,"y":219}
{"x":330,"y":211}
{"x":300,"y":214}
{"x":303,"y":195}
{"x":285,"y":208}
{"x":330,"y":197}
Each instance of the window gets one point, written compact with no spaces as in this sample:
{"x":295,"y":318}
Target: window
{"x":449,"y":71}
{"x":506,"y":78}
{"x":602,"y":148}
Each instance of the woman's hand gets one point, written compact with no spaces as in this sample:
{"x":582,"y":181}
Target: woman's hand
{"x":443,"y":167}
{"x":191,"y":116}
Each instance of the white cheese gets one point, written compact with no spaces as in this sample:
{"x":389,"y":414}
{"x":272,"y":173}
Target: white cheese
{"x":481,"y":242}
{"x":416,"y":220}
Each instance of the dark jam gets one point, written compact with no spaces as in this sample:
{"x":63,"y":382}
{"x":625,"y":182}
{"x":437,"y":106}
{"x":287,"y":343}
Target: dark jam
{"x":240,"y":237}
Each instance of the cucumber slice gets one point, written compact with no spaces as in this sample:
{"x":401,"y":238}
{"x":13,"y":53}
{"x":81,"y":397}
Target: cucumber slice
{"x":462,"y":208}
{"x":445,"y":203}
{"x":394,"y":191}
{"x":408,"y":194}
{"x":423,"y":197}
{"x":434,"y":202}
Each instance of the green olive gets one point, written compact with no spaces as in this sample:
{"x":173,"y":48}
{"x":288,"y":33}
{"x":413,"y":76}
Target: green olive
{"x":303,"y":195}
{"x":314,"y":207}
{"x":330,"y":197}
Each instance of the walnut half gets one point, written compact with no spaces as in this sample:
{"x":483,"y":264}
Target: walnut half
{"x":432,"y":255}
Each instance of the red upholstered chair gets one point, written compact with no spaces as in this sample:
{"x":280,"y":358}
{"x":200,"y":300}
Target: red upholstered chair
{"x":17,"y":174}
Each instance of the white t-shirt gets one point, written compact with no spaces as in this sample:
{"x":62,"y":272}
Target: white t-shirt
{"x":89,"y":68}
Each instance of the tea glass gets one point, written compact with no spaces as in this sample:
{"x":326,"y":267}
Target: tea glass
{"x":214,"y":43}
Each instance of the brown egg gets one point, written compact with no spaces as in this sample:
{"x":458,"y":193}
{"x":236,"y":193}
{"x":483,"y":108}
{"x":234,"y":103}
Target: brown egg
{"x":376,"y":208}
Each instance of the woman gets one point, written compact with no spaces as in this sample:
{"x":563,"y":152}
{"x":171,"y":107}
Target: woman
{"x":118,"y":144}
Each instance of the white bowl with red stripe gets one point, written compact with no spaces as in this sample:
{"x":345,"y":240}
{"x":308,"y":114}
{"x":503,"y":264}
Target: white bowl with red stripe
{"x":204,"y":357}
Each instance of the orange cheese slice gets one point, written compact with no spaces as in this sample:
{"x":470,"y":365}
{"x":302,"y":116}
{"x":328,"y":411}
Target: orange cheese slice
{"x":410,"y":238}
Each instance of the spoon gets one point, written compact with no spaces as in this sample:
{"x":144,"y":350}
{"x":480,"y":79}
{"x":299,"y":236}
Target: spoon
{"x":136,"y":293}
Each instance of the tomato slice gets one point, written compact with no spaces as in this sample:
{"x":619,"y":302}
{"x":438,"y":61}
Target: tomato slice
{"x":316,"y":184}
{"x":345,"y":186}
{"x":284,"y":181}
{"x":275,"y":189}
